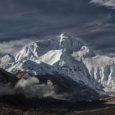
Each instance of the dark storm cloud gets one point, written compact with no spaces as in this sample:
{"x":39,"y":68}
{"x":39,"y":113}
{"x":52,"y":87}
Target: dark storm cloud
{"x":36,"y":19}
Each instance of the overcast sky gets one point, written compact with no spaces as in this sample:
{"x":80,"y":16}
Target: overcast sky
{"x":23,"y":21}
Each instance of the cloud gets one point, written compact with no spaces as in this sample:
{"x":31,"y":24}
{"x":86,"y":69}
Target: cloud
{"x":108,"y":3}
{"x":32,"y":88}
{"x":12,"y":47}
{"x":41,"y":18}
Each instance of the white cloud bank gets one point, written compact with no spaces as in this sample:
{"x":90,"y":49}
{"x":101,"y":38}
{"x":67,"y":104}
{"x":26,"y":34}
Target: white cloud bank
{"x":12,"y":47}
{"x":32,"y":88}
{"x":108,"y":3}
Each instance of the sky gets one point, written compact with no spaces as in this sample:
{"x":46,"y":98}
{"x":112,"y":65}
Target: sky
{"x":24,"y":21}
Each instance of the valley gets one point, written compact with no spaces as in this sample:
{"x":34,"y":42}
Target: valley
{"x":57,"y":107}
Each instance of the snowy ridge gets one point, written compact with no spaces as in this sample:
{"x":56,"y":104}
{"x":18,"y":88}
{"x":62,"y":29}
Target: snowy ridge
{"x":67,"y":56}
{"x":102,"y":69}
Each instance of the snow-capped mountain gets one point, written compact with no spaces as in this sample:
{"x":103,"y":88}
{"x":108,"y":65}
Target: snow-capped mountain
{"x":66,"y":56}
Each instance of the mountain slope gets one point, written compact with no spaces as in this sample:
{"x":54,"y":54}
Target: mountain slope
{"x":43,"y":86}
{"x":7,"y":83}
{"x":6,"y":77}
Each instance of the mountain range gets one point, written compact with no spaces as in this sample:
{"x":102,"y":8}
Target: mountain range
{"x":64,"y":64}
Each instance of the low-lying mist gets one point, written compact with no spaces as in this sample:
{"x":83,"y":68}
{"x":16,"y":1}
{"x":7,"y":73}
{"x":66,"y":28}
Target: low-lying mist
{"x":30,"y":87}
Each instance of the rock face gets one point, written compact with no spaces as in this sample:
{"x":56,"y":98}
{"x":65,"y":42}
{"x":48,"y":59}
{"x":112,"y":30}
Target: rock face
{"x":66,"y":56}
{"x":7,"y":78}
{"x":7,"y":83}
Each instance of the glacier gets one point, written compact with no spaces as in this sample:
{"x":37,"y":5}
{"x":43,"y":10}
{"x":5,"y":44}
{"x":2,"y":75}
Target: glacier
{"x":68,"y":56}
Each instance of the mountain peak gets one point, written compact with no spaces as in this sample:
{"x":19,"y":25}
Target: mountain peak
{"x":63,"y":36}
{"x":62,"y":43}
{"x":65,"y":40}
